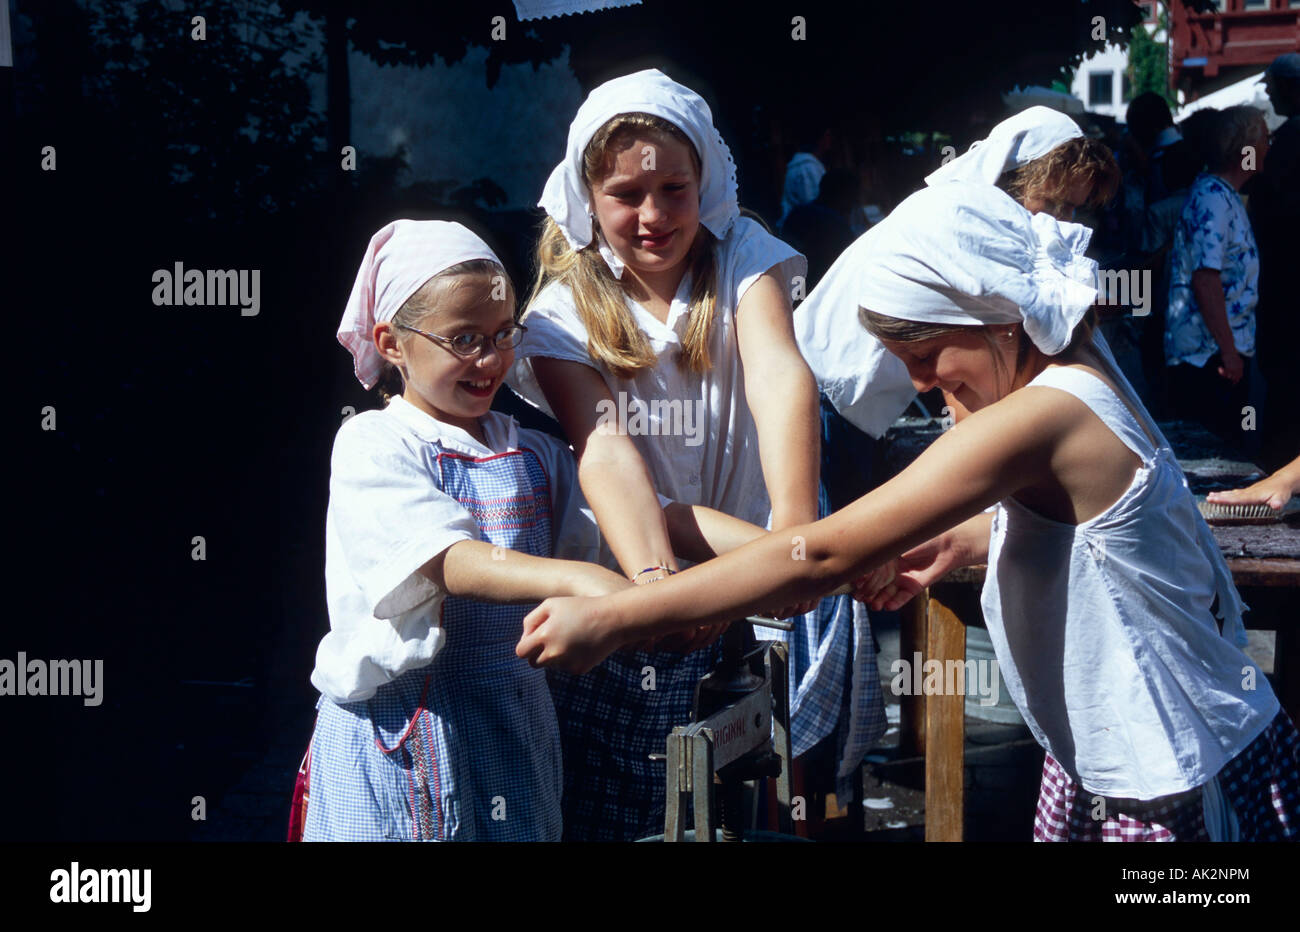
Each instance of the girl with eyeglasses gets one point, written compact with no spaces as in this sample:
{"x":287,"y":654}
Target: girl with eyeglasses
{"x":446,"y":522}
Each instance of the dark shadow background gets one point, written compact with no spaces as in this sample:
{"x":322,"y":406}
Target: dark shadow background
{"x":176,"y":422}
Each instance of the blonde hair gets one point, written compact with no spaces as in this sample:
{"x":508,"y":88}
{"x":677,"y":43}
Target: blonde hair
{"x":425,"y":301}
{"x":1052,"y":175}
{"x":613,"y":338}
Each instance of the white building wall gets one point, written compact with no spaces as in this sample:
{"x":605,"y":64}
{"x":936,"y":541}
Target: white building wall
{"x":1113,"y":62}
{"x":455,"y":128}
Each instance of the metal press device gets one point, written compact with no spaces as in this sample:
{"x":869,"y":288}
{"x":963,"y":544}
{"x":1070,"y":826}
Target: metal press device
{"x":740,"y":731}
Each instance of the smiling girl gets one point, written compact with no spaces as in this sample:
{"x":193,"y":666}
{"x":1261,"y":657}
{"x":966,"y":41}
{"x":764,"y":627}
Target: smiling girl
{"x":653,"y":289}
{"x":442,"y":515}
{"x":1103,"y":581}
{"x":445,"y":523}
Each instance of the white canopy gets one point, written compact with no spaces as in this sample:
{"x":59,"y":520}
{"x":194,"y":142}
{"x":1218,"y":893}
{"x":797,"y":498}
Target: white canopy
{"x":1246,"y":91}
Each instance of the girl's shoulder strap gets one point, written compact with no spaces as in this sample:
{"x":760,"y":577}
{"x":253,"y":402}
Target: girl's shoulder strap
{"x":1104,"y":402}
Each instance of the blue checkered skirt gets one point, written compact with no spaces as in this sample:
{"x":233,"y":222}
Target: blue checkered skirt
{"x":465,"y":748}
{"x":436,"y":756}
{"x":611,"y":720}
{"x":834,"y":681}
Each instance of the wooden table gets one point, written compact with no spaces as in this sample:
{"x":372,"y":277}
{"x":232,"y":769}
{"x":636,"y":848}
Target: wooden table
{"x":935,"y":622}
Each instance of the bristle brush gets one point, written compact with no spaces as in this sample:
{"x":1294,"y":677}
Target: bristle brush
{"x":1215,"y":513}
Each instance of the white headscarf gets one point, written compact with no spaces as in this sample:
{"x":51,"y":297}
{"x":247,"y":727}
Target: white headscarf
{"x":1016,"y":141}
{"x":566,"y":197}
{"x":400,"y":258}
{"x":867,"y":385}
{"x":967,"y":253}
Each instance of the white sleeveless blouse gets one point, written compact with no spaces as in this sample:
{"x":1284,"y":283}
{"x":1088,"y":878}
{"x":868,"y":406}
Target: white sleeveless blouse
{"x":1104,"y":631}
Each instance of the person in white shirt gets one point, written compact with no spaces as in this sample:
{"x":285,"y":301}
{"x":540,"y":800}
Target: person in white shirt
{"x":445,"y":521}
{"x":659,"y":335}
{"x":803,"y":179}
{"x":1103,"y":580}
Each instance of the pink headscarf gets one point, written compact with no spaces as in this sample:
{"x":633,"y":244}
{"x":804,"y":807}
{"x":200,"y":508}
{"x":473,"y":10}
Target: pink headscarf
{"x":400,"y":258}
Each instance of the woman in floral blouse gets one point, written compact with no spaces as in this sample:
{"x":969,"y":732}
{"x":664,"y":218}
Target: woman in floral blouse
{"x":1214,"y":287}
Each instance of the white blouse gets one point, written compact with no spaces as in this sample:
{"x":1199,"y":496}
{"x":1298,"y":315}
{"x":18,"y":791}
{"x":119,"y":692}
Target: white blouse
{"x":1103,"y":630}
{"x":387,"y":517}
{"x":694,"y":430}
{"x":699,"y":441}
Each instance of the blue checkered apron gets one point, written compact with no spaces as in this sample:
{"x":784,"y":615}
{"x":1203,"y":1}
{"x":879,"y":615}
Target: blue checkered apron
{"x":610,"y":722}
{"x":467,"y":747}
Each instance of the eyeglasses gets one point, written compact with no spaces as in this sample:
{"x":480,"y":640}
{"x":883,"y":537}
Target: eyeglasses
{"x":470,"y":345}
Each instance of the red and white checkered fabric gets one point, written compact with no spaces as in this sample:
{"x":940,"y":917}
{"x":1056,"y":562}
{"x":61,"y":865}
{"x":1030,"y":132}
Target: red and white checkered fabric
{"x":1262,"y":783}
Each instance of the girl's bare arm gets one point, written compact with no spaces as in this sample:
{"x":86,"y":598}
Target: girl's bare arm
{"x":1275,"y":490}
{"x":613,"y":477}
{"x":927,"y":563}
{"x":700,"y":533}
{"x":475,"y":569}
{"x":782,"y":397}
{"x":987,"y":457}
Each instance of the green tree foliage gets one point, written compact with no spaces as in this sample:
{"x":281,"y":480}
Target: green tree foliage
{"x":1148,"y":63}
{"x":224,"y":122}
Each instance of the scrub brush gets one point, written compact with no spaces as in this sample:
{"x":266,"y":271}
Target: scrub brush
{"x":1218,"y":514}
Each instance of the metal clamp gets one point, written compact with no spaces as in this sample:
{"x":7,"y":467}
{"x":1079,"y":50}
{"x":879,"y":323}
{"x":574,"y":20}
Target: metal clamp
{"x":748,"y":731}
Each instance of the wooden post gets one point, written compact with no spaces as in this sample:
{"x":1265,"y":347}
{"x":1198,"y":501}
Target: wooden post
{"x":911,"y":640}
{"x":945,"y":732}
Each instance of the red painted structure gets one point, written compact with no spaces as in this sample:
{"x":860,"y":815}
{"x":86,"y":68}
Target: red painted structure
{"x":1243,"y":35}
